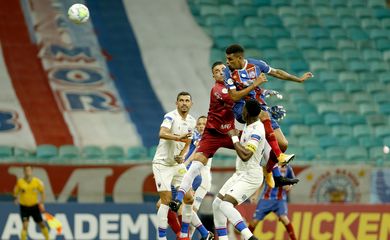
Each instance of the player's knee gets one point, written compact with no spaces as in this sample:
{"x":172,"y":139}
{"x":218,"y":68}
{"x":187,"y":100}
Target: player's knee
{"x":165,"y":199}
{"x":188,"y":199}
{"x":158,"y":204}
{"x":216,"y":204}
{"x":283,"y":144}
{"x":201,"y":158}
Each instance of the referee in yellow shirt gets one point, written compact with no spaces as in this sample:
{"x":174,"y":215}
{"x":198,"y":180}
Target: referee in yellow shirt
{"x":26,"y":194}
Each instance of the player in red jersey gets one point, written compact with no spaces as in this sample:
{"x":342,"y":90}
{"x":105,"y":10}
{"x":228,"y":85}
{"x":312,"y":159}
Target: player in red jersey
{"x":220,"y":120}
{"x":238,"y":78}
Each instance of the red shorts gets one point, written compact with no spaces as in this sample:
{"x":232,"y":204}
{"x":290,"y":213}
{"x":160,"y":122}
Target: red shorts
{"x":211,"y":141}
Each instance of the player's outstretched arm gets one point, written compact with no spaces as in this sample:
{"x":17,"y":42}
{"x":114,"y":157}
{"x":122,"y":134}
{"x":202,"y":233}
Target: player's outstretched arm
{"x":244,"y":153}
{"x":165,"y":133}
{"x":278,"y":73}
{"x":238,"y":94}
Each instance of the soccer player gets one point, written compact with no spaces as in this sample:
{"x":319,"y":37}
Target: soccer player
{"x":275,"y":200}
{"x":239,"y":75}
{"x":248,"y":176}
{"x":168,"y":168}
{"x":26,"y":193}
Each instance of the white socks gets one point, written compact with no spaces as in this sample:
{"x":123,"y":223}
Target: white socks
{"x":189,"y":177}
{"x":162,"y":215}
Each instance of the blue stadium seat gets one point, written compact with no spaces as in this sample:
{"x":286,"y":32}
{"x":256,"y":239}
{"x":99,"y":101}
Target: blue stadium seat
{"x":348,"y":141}
{"x":356,"y":154}
{"x":341,"y":130}
{"x":343,"y":12}
{"x":375,"y":120}
{"x":92,"y":152}
{"x":369,"y":142}
{"x":357,"y":3}
{"x":6,"y":152}
{"x":354,"y":119}
{"x":46,"y":151}
{"x":308,"y":141}
{"x":333,"y":119}
{"x":331,"y":55}
{"x":313,"y":119}
{"x":382,"y":13}
{"x":361,"y":131}
{"x":346,"y":44}
{"x":314,"y":153}
{"x":320,"y":130}
{"x":114,"y":153}
{"x":335,"y":153}
{"x":328,"y":141}
{"x":69,"y":152}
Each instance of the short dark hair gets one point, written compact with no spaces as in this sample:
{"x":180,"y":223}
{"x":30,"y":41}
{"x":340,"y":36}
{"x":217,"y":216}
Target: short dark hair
{"x":235,"y":48}
{"x":216,"y":64}
{"x":252,"y":107}
{"x":183,"y":94}
{"x":203,"y":116}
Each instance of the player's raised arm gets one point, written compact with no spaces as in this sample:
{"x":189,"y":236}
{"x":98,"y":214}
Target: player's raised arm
{"x":283,"y":75}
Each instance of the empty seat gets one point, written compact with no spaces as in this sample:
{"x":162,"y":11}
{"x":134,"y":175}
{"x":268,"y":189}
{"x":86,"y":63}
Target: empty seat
{"x":223,"y":42}
{"x":253,"y":21}
{"x":292,"y":21}
{"x":259,"y":32}
{"x":308,"y":141}
{"x":284,"y":43}
{"x":368,"y":108}
{"x":379,"y":66}
{"x":320,"y":130}
{"x":137,"y":153}
{"x":347,"y":141}
{"x":327,"y":108}
{"x":341,"y":130}
{"x":384,"y":108}
{"x":318,"y":33}
{"x":382,"y":13}
{"x":382,"y":131}
{"x":304,"y":107}
{"x":384,"y":78}
{"x":376,"y":4}
{"x":114,"y":152}
{"x":280,"y":33}
{"x":351,"y":54}
{"x":326,"y":44}
{"x":92,"y":152}
{"x":69,"y":152}
{"x":383,"y":44}
{"x":328,"y":76}
{"x":213,"y":20}
{"x":318,"y":66}
{"x":344,"y":12}
{"x":299,"y":66}
{"x":332,"y":55}
{"x":328,"y":141}
{"x":323,"y":11}
{"x":319,"y":97}
{"x":312,"y":54}
{"x":358,"y":66}
{"x":347,"y":107}
{"x":346,"y":44}
{"x":209,"y":10}
{"x":335,"y":153}
{"x":333,"y":119}
{"x":357,"y":34}
{"x":372,"y":55}
{"x":345,"y":77}
{"x":376,"y":120}
{"x":361,"y":131}
{"x":354,"y":119}
{"x":46,"y":151}
{"x":375,"y":87}
{"x":361,"y":97}
{"x":299,"y":130}
{"x":386,"y":23}
{"x":354,"y":87}
{"x":221,"y":31}
{"x":371,"y":23}
{"x":356,"y":154}
{"x":6,"y":151}
{"x":334,"y":87}
{"x":357,"y":3}
{"x":331,"y":22}
{"x":313,"y":119}
{"x":364,"y":13}
{"x":287,"y":11}
{"x":376,"y":153}
{"x":314,"y":153}
{"x":370,"y":141}
{"x":265,"y":11}
{"x":348,"y":23}
{"x":265,"y":43}
{"x":340,"y":97}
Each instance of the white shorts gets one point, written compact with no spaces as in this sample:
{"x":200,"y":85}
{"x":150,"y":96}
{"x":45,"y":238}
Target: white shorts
{"x":243,"y":184}
{"x":204,"y":187}
{"x":165,"y":176}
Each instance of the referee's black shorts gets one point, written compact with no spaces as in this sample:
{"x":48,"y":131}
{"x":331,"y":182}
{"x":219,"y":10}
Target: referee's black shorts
{"x":32,"y":211}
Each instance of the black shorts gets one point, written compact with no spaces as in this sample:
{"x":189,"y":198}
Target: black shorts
{"x":33,"y":211}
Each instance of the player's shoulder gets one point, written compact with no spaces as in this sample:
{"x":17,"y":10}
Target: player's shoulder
{"x":221,"y":88}
{"x":37,"y":180}
{"x":171,"y":115}
{"x":257,"y":62}
{"x":191,"y":119}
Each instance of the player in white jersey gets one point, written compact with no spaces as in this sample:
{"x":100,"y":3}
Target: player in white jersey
{"x":248,"y":176}
{"x":168,"y":168}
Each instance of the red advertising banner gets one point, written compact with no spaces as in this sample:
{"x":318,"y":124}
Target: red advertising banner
{"x":327,"y":222}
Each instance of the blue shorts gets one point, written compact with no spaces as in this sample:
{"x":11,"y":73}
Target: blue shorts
{"x":266,"y":206}
{"x":237,"y":110}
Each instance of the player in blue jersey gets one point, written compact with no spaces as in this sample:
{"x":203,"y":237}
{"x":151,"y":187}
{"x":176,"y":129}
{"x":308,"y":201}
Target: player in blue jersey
{"x":239,"y":77}
{"x":275,"y":200}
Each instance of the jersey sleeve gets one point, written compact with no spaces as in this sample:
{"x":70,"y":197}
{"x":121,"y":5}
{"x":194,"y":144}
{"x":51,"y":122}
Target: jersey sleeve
{"x":254,"y":140}
{"x":263,"y":66}
{"x":168,"y":121}
{"x":229,"y":83}
{"x":40,"y":185}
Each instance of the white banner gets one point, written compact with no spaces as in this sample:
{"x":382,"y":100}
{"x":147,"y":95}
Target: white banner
{"x":333,"y":184}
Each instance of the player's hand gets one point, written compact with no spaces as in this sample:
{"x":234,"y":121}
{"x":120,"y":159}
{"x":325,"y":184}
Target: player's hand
{"x":260,"y":80}
{"x":179,"y":159}
{"x":278,"y":112}
{"x":184,"y":137}
{"x":270,"y":93}
{"x":306,"y":76}
{"x":41,"y":207}
{"x":233,"y":132}
{"x":287,"y":188}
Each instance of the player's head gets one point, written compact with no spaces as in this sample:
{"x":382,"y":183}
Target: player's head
{"x":235,"y":56}
{"x":183,"y":102}
{"x":27,"y":171}
{"x":217,"y":70}
{"x":201,"y":124}
{"x":251,"y":110}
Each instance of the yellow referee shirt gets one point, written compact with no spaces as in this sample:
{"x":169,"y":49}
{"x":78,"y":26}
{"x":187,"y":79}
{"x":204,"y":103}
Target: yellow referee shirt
{"x":28,"y":191}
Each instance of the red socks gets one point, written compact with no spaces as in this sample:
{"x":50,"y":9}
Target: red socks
{"x":270,"y":136}
{"x":290,"y":231}
{"x":173,"y":221}
{"x":271,"y":161}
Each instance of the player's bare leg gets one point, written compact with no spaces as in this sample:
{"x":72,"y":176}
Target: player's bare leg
{"x":290,"y":230}
{"x":282,"y":140}
{"x":23,"y":235}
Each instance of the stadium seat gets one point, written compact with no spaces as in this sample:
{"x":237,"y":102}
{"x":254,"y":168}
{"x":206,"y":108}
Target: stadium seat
{"x":114,"y":153}
{"x":341,"y":130}
{"x":357,"y":34}
{"x":382,"y":131}
{"x":299,"y":3}
{"x":326,"y":44}
{"x":292,"y":21}
{"x":312,"y":54}
{"x":252,"y":21}
{"x":265,"y":11}
{"x":361,"y":97}
{"x":384,"y":78}
{"x":372,"y":55}
{"x":361,"y":131}
{"x":347,"y":107}
{"x":69,"y":152}
{"x":242,"y":2}
{"x":354,"y":87}
{"x":304,"y":107}
{"x":247,"y":41}
{"x":327,"y":76}
{"x":375,"y":87}
{"x":259,"y":32}
{"x":344,"y":12}
{"x":206,"y":10}
{"x":369,"y":142}
{"x":335,"y":153}
{"x":376,"y":34}
{"x":281,"y":64}
{"x":354,"y":119}
{"x":320,"y":130}
{"x":319,"y":97}
{"x":6,"y":151}
{"x":21,"y":153}
{"x":348,"y":23}
{"x":285,"y":43}
{"x":265,"y":43}
{"x":356,"y":154}
{"x":262,"y":3}
{"x":358,"y":66}
{"x":371,"y":23}
{"x":368,"y":108}
{"x":313,"y":119}
{"x":376,"y":153}
{"x":364,"y":13}
{"x":314,"y":153}
{"x":308,"y":141}
{"x":247,"y":10}
{"x":334,"y":87}
{"x":357,"y":3}
{"x":328,"y":141}
{"x":331,"y":22}
{"x":340,"y":97}
{"x":338,"y":4}
{"x":345,"y":77}
{"x":92,"y":152}
{"x":383,"y":44}
{"x":379,"y":66}
{"x":351,"y":54}
{"x":280,"y":3}
{"x":345,"y":43}
{"x":223,"y":42}
{"x":331,"y":119}
{"x":298,"y":32}
{"x":46,"y":151}
{"x":293,"y":118}
{"x":337,"y":66}
{"x":280,"y":33}
{"x":331,"y":55}
{"x":299,"y":66}
{"x":318,"y":33}
{"x":376,"y":4}
{"x":384,"y":108}
{"x":382,"y":13}
{"x":323,"y":11}
{"x":386,"y":23}
{"x":306,"y":43}
{"x":213,"y":20}
{"x":221,"y":31}
{"x":151,"y":152}
{"x":136,"y":153}
{"x":299,"y":130}
{"x":386,"y":141}
{"x":376,"y":120}
{"x":287,"y":11}
{"x":347,"y":141}
{"x":368,"y":77}
{"x":305,"y":12}
{"x":319,"y":66}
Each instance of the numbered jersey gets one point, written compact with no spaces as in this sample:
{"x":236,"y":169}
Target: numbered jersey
{"x":167,"y":149}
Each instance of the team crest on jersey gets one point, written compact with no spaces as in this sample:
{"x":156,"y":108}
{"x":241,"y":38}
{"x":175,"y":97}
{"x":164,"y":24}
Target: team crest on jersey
{"x":252,"y":73}
{"x":230,"y":81}
{"x":224,"y":90}
{"x":182,"y":171}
